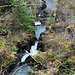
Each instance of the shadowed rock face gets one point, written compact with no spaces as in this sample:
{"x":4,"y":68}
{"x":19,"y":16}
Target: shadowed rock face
{"x":41,"y":4}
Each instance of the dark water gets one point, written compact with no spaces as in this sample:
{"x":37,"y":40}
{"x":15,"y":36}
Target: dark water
{"x":24,"y":70}
{"x":39,"y":30}
{"x":33,"y":51}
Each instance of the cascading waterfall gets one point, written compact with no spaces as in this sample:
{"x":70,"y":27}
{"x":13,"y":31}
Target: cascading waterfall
{"x":33,"y":50}
{"x":50,"y":5}
{"x":39,"y":29}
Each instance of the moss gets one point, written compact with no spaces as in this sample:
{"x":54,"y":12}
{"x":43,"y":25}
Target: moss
{"x":71,"y":61}
{"x":14,"y":48}
{"x":15,"y":39}
{"x":44,"y":56}
{"x":68,"y":46}
{"x":39,"y":57}
{"x":6,"y":56}
{"x":49,"y":27}
{"x":62,"y":23}
{"x":50,"y":71}
{"x":71,"y":26}
{"x":51,"y":36}
{"x":72,"y":5}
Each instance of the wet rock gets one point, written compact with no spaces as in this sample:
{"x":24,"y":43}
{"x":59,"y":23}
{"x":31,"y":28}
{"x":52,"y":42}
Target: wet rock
{"x":57,"y":27}
{"x":41,"y":4}
{"x":44,"y":57}
{"x":48,"y":27}
{"x":70,"y":30}
{"x":26,"y":44}
{"x":45,"y":33}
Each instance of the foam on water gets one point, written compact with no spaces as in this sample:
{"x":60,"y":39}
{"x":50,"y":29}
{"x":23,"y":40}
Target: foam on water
{"x":37,"y":23}
{"x":33,"y":51}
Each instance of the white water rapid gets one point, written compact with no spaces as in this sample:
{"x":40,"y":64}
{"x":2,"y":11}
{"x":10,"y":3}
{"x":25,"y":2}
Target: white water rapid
{"x":33,"y":51}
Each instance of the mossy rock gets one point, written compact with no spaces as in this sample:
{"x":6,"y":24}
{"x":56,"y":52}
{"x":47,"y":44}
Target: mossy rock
{"x":7,"y":56}
{"x":49,"y":27}
{"x":62,"y":23}
{"x":57,"y":27}
{"x":51,"y":71}
{"x":15,"y":38}
{"x":71,"y":26}
{"x":44,"y":56}
{"x":71,"y":29}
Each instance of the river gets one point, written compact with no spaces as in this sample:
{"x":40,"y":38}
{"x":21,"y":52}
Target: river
{"x":24,"y":69}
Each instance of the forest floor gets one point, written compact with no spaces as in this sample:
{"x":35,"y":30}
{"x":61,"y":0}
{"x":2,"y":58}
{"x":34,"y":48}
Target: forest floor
{"x":58,"y":42}
{"x":11,"y":39}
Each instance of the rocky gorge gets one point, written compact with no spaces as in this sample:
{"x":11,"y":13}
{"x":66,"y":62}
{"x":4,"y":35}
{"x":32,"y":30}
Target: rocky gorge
{"x":57,"y":43}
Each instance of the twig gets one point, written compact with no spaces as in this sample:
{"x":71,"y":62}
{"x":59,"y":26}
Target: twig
{"x":12,"y":5}
{"x":3,"y":70}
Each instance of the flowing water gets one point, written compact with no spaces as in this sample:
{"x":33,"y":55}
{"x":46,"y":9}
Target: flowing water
{"x":24,"y":69}
{"x":51,"y":5}
{"x":33,"y":51}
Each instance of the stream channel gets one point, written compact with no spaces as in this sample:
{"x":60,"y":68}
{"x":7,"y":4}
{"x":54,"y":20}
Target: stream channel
{"x":25,"y":68}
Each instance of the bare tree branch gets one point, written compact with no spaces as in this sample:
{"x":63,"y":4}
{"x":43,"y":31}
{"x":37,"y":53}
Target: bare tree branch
{"x":17,"y":5}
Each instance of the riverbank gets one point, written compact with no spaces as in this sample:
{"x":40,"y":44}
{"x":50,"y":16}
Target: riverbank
{"x":13,"y":37}
{"x":12,"y":42}
{"x":58,"y":42}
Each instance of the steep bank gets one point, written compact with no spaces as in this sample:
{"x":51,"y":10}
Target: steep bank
{"x":58,"y":42}
{"x":15,"y":36}
{"x":12,"y":41}
{"x":16,"y":33}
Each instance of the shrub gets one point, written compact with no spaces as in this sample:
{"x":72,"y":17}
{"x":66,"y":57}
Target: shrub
{"x":55,"y":0}
{"x":51,"y":20}
{"x":14,"y":48}
{"x":9,"y":1}
{"x":22,"y":18}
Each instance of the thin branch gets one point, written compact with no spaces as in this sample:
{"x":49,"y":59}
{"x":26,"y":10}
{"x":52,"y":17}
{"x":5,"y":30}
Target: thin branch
{"x":12,"y":5}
